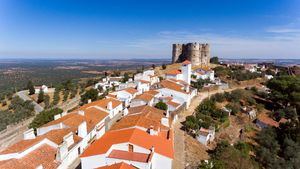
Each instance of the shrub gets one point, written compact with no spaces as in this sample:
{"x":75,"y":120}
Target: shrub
{"x":161,"y":105}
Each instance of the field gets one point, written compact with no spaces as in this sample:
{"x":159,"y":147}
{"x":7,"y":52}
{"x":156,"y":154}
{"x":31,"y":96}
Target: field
{"x":14,"y":74}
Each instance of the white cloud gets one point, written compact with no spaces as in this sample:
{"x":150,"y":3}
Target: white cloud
{"x":277,"y":46}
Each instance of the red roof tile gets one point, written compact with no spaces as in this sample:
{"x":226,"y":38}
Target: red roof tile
{"x":121,"y":165}
{"x":131,"y":156}
{"x":134,"y":136}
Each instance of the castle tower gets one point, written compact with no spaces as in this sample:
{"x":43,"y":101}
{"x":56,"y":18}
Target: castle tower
{"x":186,"y":70}
{"x":177,"y":51}
{"x":198,"y":54}
{"x":193,"y":53}
{"x":205,"y":54}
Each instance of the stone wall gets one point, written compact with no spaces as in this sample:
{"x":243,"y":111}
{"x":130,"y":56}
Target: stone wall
{"x":198,"y":54}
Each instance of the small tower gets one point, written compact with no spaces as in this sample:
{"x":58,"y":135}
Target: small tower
{"x":186,"y":69}
{"x":177,"y":51}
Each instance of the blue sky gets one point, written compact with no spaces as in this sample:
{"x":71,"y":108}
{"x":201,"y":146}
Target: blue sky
{"x":139,"y":29}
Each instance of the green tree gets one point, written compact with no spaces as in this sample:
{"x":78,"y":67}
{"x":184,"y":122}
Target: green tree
{"x":125,"y":78}
{"x":56,"y":97}
{"x":30,"y":87}
{"x":153,"y":66}
{"x":47,"y":101}
{"x":285,"y":90}
{"x":41,"y":96}
{"x":44,"y":117}
{"x":90,"y":94}
{"x":161,"y":105}
{"x":214,"y":60}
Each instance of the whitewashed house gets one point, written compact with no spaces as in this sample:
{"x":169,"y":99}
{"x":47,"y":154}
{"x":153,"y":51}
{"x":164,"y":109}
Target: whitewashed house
{"x":37,"y":89}
{"x":204,"y":74}
{"x":64,"y":139}
{"x":132,"y":146}
{"x":179,"y":91}
{"x":205,"y":136}
{"x":143,"y":86}
{"x":125,"y":95}
{"x":183,"y":74}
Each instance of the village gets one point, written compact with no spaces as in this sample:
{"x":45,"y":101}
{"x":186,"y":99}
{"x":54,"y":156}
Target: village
{"x":144,"y":122}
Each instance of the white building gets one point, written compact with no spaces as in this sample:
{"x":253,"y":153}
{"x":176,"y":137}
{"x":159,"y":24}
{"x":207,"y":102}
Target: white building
{"x":58,"y":143}
{"x":204,"y":74}
{"x":183,"y":74}
{"x":109,"y":105}
{"x":143,"y":86}
{"x":125,"y":95}
{"x":133,"y":146}
{"x":178,"y":90}
{"x":37,"y":89}
{"x":206,"y":135}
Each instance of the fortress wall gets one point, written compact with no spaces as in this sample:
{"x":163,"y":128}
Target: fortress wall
{"x":198,"y":54}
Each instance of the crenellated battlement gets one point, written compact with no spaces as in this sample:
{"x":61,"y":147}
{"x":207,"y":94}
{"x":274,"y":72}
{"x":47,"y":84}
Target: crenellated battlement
{"x":197,"y":53}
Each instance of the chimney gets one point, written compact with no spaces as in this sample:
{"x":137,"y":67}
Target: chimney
{"x":62,"y":151}
{"x":151,"y":131}
{"x":89,"y":101}
{"x":57,"y":116}
{"x":69,"y":139}
{"x":81,"y":112}
{"x":125,"y":112}
{"x":29,"y":134}
{"x":109,"y":105}
{"x":152,"y":149}
{"x":187,"y":89}
{"x":82,"y":129}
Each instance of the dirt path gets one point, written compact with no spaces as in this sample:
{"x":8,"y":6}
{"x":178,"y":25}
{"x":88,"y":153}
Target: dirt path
{"x":184,"y":145}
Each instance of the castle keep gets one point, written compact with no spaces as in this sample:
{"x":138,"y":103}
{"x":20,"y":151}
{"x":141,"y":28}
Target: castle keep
{"x":198,"y":54}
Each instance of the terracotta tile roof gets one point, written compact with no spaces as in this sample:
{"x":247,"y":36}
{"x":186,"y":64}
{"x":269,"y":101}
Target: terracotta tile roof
{"x":178,"y":81}
{"x":264,"y":118}
{"x":173,"y":72}
{"x":131,"y":156}
{"x":186,"y":62}
{"x":173,"y":86}
{"x":146,"y":97}
{"x":174,"y":104}
{"x":55,"y":136}
{"x":144,"y":81}
{"x":143,"y":116}
{"x":121,"y":165}
{"x":152,"y":92}
{"x":44,"y":155}
{"x":102,"y":103}
{"x":144,"y":109}
{"x":92,"y":116}
{"x":131,"y":90}
{"x":111,"y":95}
{"x":134,"y":136}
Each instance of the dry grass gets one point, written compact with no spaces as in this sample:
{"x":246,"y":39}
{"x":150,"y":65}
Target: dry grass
{"x":194,"y":152}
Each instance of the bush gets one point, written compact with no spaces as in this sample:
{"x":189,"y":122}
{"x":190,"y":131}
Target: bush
{"x":44,"y":117}
{"x":90,"y":94}
{"x":161,"y":105}
{"x":164,"y":66}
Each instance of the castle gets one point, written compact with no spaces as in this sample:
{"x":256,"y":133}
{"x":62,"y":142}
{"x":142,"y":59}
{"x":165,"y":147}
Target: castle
{"x":198,"y":54}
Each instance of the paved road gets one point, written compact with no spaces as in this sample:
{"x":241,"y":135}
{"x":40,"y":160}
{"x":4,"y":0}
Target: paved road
{"x":23,"y":95}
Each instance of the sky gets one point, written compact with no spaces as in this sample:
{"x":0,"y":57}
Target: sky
{"x":111,"y":29}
